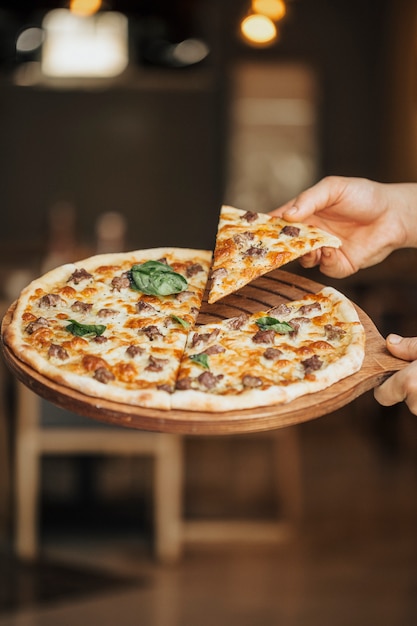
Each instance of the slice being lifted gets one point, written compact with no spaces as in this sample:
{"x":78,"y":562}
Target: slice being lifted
{"x":249,"y":245}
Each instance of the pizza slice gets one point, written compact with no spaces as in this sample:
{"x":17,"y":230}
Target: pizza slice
{"x":271,"y":357}
{"x":250,"y":244}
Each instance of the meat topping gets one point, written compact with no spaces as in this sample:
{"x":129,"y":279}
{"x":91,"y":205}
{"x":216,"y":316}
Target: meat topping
{"x":221,"y":272}
{"x":103,"y":375}
{"x":242,"y":239}
{"x":133,"y":350}
{"x":264,"y":336}
{"x":297,"y":322}
{"x":251,"y":381}
{"x":290,"y":230}
{"x":156,"y":365}
{"x":79,"y":275}
{"x":81,"y":307}
{"x":184,"y":383}
{"x":183,"y":296}
{"x":100,"y":339}
{"x":204,"y":337}
{"x":49,"y":300}
{"x":249,"y":216}
{"x":120,"y":282}
{"x":272,"y":354}
{"x":40,"y":322}
{"x":312,"y":364}
{"x":106,"y":313}
{"x":215,"y":349}
{"x":334,"y":332}
{"x":152,"y":332}
{"x":255,"y":251}
{"x":209,"y":380}
{"x":58,"y":352}
{"x":193,"y":269}
{"x":306,"y":309}
{"x":235,"y":323}
{"x":279,"y":311}
{"x":145,"y":307}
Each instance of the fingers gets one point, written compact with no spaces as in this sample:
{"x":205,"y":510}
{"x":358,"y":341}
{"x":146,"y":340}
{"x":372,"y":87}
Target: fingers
{"x":311,"y":259}
{"x":311,"y":201}
{"x":401,"y":386}
{"x":332,"y":262}
{"x":402,"y":347}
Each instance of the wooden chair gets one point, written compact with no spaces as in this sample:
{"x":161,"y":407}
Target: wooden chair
{"x":34,"y":440}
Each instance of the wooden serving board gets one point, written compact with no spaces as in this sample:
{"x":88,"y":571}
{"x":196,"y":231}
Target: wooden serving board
{"x":263,"y":293}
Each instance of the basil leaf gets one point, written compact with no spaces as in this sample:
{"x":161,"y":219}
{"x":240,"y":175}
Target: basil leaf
{"x":85,"y":330}
{"x":180,"y":321}
{"x":272,"y":323}
{"x":156,"y":279}
{"x":201,"y":359}
{"x":152,"y":266}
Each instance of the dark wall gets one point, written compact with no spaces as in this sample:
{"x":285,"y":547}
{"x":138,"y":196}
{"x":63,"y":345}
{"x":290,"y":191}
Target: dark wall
{"x":150,"y":154}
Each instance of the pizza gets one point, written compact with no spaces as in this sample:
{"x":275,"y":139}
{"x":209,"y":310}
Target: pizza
{"x":271,"y":357}
{"x":113,"y":326}
{"x":123,"y":327}
{"x":251,"y":244}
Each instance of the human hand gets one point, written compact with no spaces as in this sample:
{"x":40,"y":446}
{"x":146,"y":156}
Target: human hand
{"x":371,"y":219}
{"x":401,"y":386}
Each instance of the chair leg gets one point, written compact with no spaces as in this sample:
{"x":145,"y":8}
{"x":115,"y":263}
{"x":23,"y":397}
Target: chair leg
{"x":287,"y":461}
{"x":27,"y":477}
{"x":168,"y":498}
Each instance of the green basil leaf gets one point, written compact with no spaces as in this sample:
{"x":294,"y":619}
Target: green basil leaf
{"x":180,"y":321}
{"x":201,"y":359}
{"x":85,"y":330}
{"x":156,"y":279}
{"x":272,"y":323}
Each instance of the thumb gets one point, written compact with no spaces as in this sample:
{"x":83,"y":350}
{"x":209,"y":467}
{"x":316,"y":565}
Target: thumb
{"x":402,"y":347}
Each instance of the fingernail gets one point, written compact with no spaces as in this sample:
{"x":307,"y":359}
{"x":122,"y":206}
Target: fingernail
{"x":394,"y":339}
{"x":291,"y":211}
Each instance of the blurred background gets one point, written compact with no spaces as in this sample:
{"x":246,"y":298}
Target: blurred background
{"x":126,"y":125}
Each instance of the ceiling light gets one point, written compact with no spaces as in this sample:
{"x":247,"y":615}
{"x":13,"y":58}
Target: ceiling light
{"x":258,"y":30}
{"x":274,"y":9}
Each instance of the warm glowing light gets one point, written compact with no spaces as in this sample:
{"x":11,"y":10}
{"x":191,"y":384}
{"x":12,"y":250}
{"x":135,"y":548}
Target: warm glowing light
{"x":258,"y":30}
{"x":85,"y":7}
{"x":75,"y":46}
{"x":274,"y":9}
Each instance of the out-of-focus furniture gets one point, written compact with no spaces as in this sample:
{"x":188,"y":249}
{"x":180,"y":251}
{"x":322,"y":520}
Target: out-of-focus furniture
{"x":284,"y":451}
{"x":35,"y":439}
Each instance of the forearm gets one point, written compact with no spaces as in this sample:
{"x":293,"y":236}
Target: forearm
{"x":402,"y":201}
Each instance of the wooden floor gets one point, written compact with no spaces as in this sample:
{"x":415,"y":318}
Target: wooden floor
{"x":353,"y":562}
